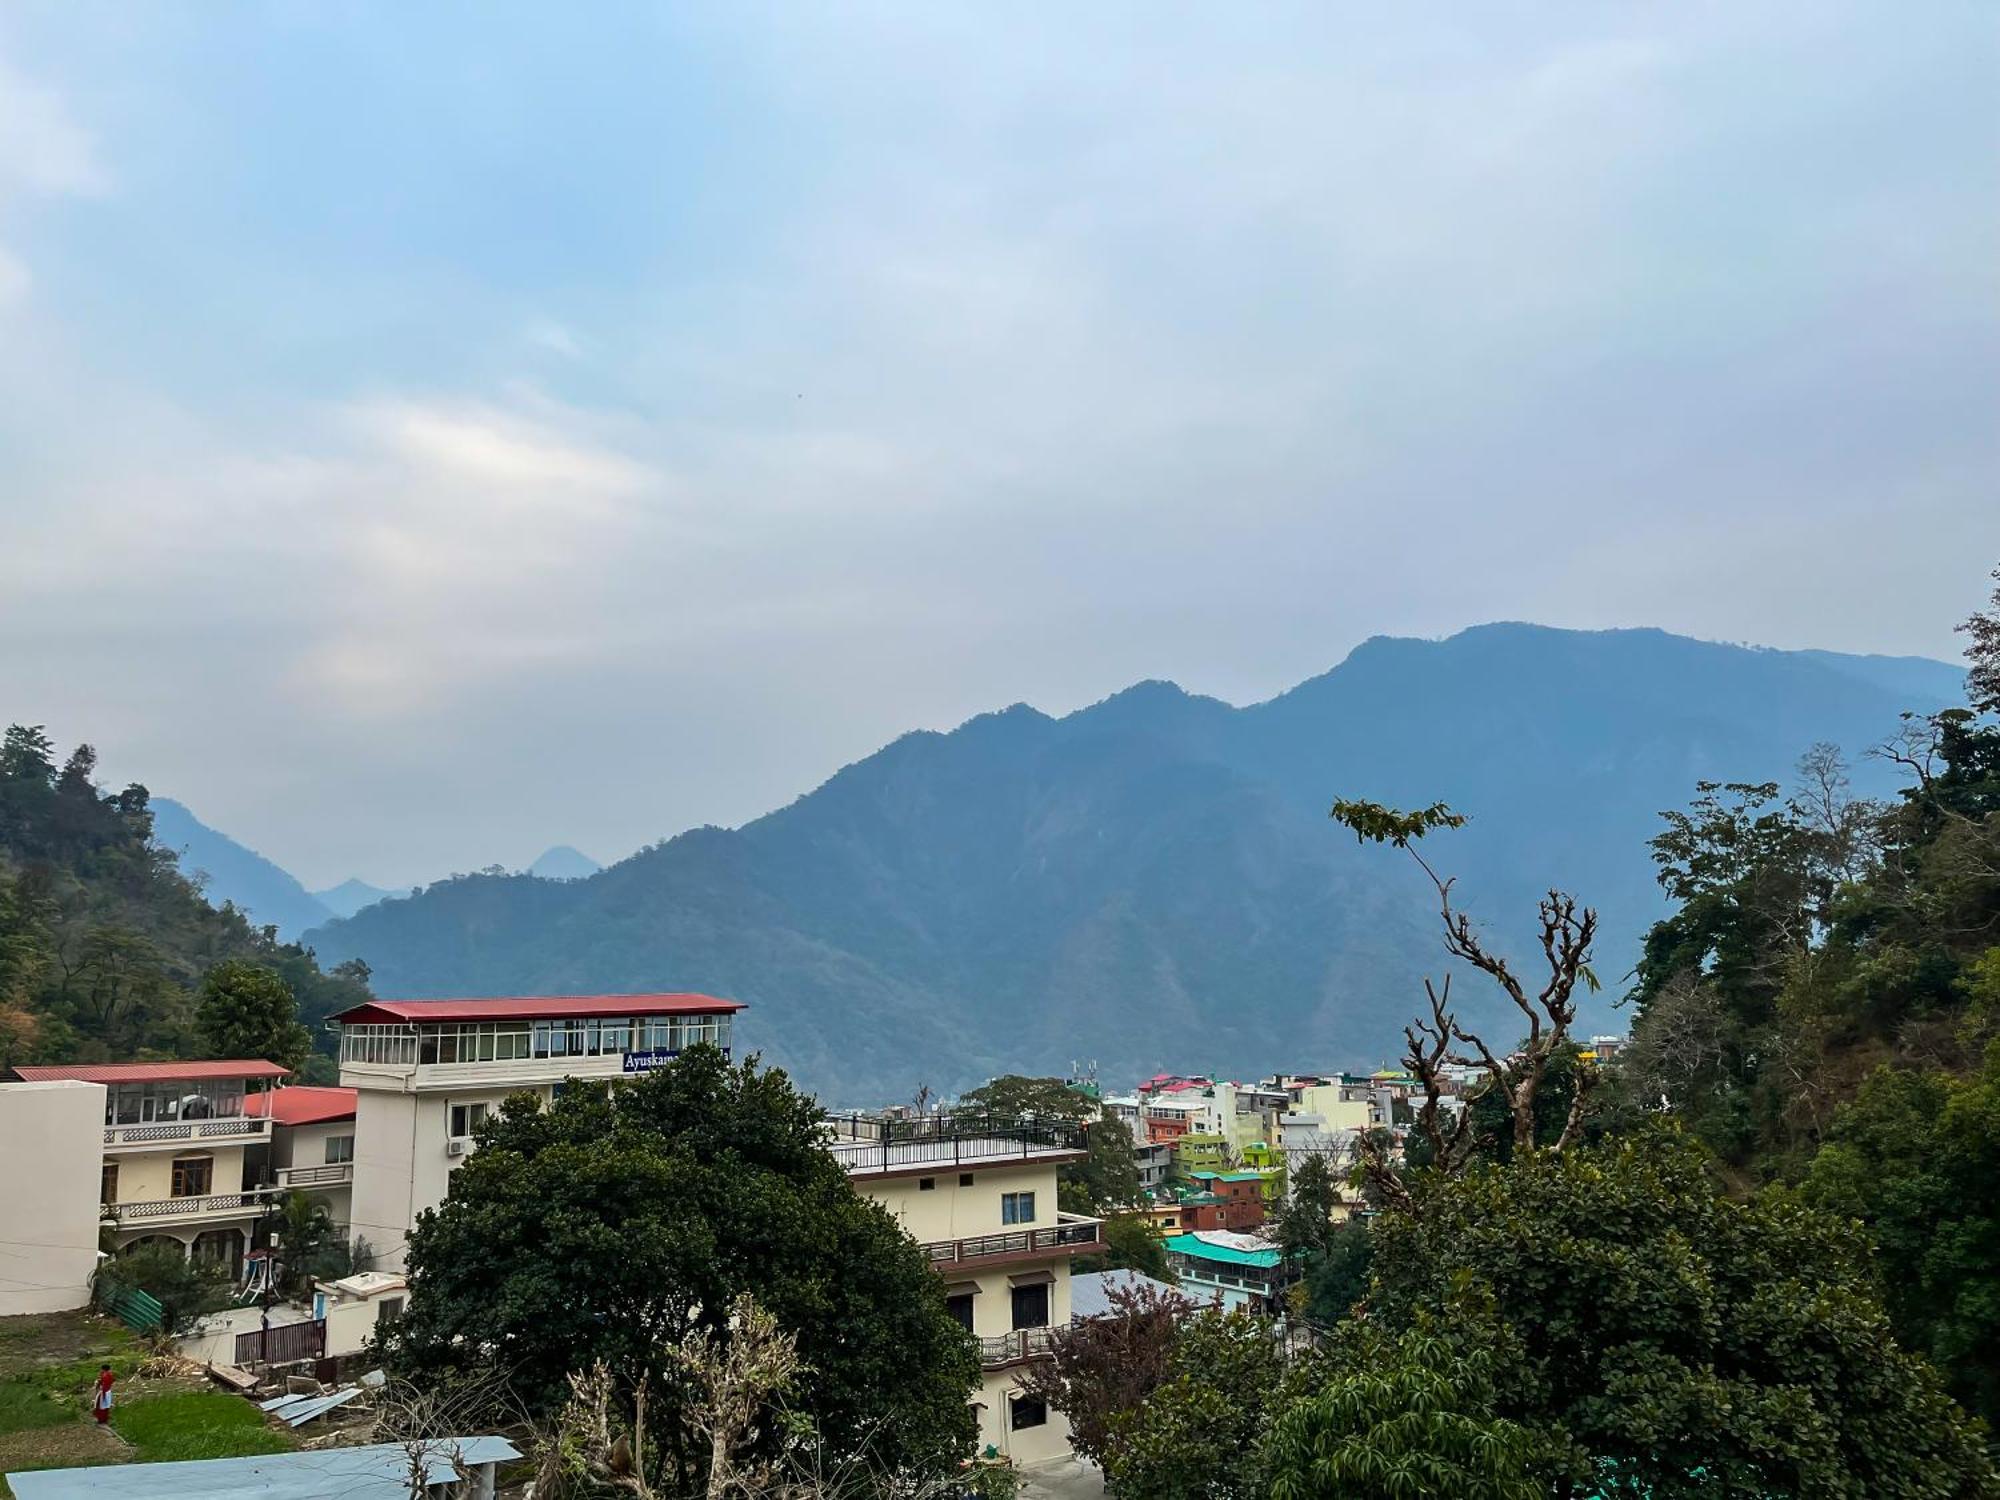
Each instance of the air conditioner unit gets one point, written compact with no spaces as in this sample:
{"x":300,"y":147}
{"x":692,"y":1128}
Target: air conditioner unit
{"x":454,"y":1147}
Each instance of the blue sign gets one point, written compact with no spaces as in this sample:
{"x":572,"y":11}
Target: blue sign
{"x":645,"y":1062}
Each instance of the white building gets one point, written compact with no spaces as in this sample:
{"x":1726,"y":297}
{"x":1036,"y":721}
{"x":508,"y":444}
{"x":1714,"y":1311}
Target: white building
{"x":171,"y":1140}
{"x":427,"y":1072}
{"x":50,"y":1159}
{"x":312,"y":1144}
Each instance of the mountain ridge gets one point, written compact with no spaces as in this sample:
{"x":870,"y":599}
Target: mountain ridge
{"x":1151,"y":878}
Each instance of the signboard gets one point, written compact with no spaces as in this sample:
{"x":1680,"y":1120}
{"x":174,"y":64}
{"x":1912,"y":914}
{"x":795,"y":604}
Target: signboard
{"x":645,"y":1062}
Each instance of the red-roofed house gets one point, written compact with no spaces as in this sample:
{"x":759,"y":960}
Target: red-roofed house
{"x":427,"y":1072}
{"x":312,"y":1143}
{"x":181,"y":1150}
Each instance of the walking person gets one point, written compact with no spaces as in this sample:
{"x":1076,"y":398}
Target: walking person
{"x":101,"y":1406}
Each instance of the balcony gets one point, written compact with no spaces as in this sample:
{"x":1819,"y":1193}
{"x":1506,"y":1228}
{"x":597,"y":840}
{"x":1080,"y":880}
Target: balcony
{"x":1000,"y":1350}
{"x":212,"y":1206}
{"x":234,"y":1131}
{"x":1071,"y":1234}
{"x":875,"y":1145}
{"x":333,"y":1174}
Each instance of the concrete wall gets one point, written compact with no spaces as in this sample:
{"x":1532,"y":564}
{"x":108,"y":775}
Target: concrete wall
{"x":401,"y":1162}
{"x":51,"y":1150}
{"x":145,"y":1176}
{"x":950,"y":1211}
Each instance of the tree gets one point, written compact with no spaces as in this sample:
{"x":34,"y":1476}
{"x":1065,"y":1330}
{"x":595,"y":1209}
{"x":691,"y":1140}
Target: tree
{"x":614,"y":1228}
{"x":1107,"y":1178}
{"x":246,"y":1010}
{"x":1412,"y":1414}
{"x":309,"y":1245}
{"x":1567,"y":932}
{"x":1916,"y":1158}
{"x":1016,"y":1096}
{"x":1103,"y":1367}
{"x":1194,"y":1436}
{"x":187,"y":1290}
{"x":1130,"y":1244}
{"x":1697,"y":1346}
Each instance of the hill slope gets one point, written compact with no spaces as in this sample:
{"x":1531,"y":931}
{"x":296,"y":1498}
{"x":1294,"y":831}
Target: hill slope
{"x":227,"y":871}
{"x":1153,"y":880}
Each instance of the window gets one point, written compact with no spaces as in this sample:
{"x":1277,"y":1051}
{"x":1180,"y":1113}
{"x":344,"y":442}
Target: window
{"x":192,"y":1175}
{"x":388,"y":1310}
{"x":927,"y":1184}
{"x":960,"y":1307}
{"x":1024,"y":1410}
{"x":1031,"y":1305}
{"x":339,"y":1148}
{"x":465,"y":1118}
{"x":1017,"y":1208}
{"x":108,"y":1190}
{"x":965,"y":1179}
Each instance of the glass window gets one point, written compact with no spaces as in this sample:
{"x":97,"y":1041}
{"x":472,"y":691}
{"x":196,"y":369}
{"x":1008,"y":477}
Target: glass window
{"x":486,"y":1042}
{"x":192,"y":1176}
{"x":465,"y":1118}
{"x":339,"y":1148}
{"x":1031,"y":1305}
{"x":590,"y":1037}
{"x":960,"y":1307}
{"x":1024,"y":1410}
{"x":616,"y":1036}
{"x":541,"y":1031}
{"x":128,"y":1104}
{"x":1017,"y":1208}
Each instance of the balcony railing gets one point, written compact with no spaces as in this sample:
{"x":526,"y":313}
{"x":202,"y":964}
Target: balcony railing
{"x":1015,"y":1348}
{"x":875,"y":1143}
{"x":330,"y":1175}
{"x":148,"y":1210}
{"x":1071,"y":1233}
{"x":243,"y":1129}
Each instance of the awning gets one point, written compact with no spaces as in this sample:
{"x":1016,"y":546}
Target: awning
{"x":1032,"y":1278}
{"x":961,"y":1289}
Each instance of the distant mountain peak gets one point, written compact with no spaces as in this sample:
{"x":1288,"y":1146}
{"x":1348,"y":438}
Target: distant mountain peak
{"x":228,"y":871}
{"x":351,"y":896}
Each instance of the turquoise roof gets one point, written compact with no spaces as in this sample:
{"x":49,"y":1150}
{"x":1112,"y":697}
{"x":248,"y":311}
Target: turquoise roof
{"x":1200,"y":1249}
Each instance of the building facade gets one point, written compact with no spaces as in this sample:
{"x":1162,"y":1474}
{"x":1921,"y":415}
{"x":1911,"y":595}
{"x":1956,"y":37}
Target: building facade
{"x":173,"y":1155}
{"x":427,"y":1072}
{"x":312,"y":1145}
{"x":981,"y":1198}
{"x":50,"y":1158}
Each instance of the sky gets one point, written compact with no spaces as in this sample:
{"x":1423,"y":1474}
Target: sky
{"x":431,"y":433}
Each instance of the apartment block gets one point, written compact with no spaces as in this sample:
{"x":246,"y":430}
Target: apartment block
{"x":49,"y":1162}
{"x":172,"y":1157}
{"x":426,"y":1072}
{"x":980,"y":1196}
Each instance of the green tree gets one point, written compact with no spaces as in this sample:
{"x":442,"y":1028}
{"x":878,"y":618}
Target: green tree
{"x":614,"y":1228}
{"x":1130,"y":1244}
{"x":1412,"y":1414}
{"x":1916,"y":1157}
{"x":187,"y":1290}
{"x":1017,"y":1096}
{"x":1102,"y":1368}
{"x":247,"y":1010}
{"x":1697,"y":1345}
{"x":1194,"y":1436}
{"x":1108,"y":1177}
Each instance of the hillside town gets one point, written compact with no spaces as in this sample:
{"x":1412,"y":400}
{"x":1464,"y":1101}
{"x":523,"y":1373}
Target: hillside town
{"x":216,"y":1160}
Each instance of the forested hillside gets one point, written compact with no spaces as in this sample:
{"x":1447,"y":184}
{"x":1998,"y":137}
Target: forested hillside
{"x":104,"y":944}
{"x":1152,"y":881}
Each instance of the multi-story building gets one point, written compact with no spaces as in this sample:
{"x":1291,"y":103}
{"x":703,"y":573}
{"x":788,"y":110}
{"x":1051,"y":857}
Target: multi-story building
{"x":312,"y":1144}
{"x":980,"y":1196}
{"x":1233,"y":1270}
{"x":426,"y":1072}
{"x":173,"y":1167}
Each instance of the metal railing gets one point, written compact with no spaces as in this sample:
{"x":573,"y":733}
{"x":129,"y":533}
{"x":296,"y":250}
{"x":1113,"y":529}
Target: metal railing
{"x":1013,"y":1348}
{"x":863,"y":1143}
{"x":1071,"y":1232}
{"x":185,"y":1130}
{"x":179,"y":1208}
{"x":330,"y":1174}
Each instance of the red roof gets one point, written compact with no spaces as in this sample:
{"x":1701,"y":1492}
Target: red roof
{"x":536,"y":1008}
{"x":302,"y":1105}
{"x":151,"y":1072}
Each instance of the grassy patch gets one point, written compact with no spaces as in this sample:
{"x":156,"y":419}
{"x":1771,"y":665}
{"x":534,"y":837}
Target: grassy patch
{"x":196,"y":1424}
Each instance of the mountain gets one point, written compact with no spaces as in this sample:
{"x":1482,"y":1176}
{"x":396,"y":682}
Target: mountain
{"x":227,"y":871}
{"x":564,"y":863}
{"x":1153,"y":881}
{"x":347,"y":898}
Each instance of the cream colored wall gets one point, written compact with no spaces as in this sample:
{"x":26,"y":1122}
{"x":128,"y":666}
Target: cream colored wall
{"x":146,"y":1175}
{"x":1340,"y":1114}
{"x":1031,"y":1445}
{"x":51,"y":1150}
{"x":951,"y":1212}
{"x":385,"y":1139}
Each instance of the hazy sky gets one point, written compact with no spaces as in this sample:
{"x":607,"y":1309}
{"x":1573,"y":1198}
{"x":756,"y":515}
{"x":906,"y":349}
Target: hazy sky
{"x":430,"y":432}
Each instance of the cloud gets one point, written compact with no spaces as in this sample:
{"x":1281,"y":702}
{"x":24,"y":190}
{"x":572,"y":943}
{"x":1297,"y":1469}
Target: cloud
{"x":42,"y":148}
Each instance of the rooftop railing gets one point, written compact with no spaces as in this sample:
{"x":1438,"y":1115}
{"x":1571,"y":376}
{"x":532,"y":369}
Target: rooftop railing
{"x":874,"y":1143}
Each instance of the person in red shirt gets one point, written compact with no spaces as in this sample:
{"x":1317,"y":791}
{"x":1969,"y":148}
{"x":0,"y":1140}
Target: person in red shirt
{"x":102,"y":1405}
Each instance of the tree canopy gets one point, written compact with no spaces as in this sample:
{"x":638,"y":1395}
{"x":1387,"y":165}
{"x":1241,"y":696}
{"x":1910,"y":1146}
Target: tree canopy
{"x":613,"y":1228}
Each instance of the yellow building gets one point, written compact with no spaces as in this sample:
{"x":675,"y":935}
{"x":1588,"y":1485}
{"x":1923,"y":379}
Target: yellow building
{"x":175,"y":1136}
